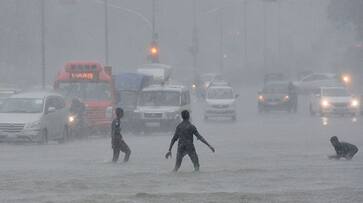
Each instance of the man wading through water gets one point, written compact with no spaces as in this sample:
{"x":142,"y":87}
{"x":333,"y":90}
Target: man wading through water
{"x":184,"y":133}
{"x":118,"y":143}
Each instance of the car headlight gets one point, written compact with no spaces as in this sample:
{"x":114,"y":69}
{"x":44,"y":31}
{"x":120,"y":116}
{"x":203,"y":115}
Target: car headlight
{"x":346,"y":79}
{"x":261,"y":98}
{"x":354,"y":103}
{"x":286,"y":98}
{"x":325,"y":103}
{"x":33,"y":125}
{"x":194,"y":86}
{"x":71,"y":118}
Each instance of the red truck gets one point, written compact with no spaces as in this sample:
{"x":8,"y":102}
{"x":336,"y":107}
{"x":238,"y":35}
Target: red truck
{"x":91,"y":83}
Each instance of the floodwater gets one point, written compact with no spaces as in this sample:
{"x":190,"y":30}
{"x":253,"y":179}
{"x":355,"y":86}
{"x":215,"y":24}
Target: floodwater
{"x":275,"y":157}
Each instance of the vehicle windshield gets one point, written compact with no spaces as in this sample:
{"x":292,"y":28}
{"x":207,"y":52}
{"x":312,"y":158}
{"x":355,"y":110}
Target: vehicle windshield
{"x":220,"y":93}
{"x":338,"y":92}
{"x":6,"y":94}
{"x":160,"y":98}
{"x":274,"y":77}
{"x":22,"y":105}
{"x":128,"y":99}
{"x":98,"y":91}
{"x":276,"y":88}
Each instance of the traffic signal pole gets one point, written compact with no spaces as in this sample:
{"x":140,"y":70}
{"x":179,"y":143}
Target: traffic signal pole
{"x":153,"y":55}
{"x":42,"y":8}
{"x":195,"y":38}
{"x":106,"y":34}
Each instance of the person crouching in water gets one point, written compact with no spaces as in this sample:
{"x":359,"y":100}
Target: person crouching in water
{"x":184,"y":133}
{"x":343,"y":149}
{"x":117,"y":141}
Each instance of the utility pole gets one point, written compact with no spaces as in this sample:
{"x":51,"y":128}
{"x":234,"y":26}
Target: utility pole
{"x":153,"y":19}
{"x":195,"y":46}
{"x":279,"y":33}
{"x":264,"y":35}
{"x":42,"y":10}
{"x":245,"y":27}
{"x":221,"y":41}
{"x":154,"y":51}
{"x":106,"y":33}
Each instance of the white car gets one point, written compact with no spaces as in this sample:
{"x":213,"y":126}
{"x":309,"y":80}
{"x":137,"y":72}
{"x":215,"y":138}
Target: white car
{"x":313,"y":82}
{"x":220,"y":102}
{"x":333,"y":100}
{"x":35,"y":117}
{"x":159,"y":107}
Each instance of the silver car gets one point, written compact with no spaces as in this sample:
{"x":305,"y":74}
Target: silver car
{"x":34,"y":116}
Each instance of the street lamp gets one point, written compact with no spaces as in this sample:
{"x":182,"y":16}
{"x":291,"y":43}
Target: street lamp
{"x":42,"y":25}
{"x":106,"y":32}
{"x":265,"y":32}
{"x":106,"y":23}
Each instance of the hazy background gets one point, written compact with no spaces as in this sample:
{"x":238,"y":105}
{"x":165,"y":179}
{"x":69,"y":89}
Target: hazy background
{"x":302,"y":36}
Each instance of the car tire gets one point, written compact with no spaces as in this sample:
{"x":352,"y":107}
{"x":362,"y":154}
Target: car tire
{"x":43,"y":137}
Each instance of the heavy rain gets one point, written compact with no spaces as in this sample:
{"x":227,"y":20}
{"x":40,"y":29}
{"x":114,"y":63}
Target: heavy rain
{"x":181,"y":101}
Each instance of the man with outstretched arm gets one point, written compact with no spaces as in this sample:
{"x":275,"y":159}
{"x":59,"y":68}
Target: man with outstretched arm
{"x":184,"y":133}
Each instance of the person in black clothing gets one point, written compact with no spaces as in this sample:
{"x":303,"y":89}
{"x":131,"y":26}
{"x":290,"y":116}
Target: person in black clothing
{"x":78,"y":108}
{"x":184,"y":133}
{"x":343,"y":149}
{"x":118,"y":143}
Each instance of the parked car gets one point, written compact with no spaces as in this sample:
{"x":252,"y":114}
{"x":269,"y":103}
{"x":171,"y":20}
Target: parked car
{"x":277,"y":97}
{"x":333,"y":100}
{"x":220,"y":101}
{"x":313,"y":82}
{"x":34,"y":116}
{"x":159,"y":107}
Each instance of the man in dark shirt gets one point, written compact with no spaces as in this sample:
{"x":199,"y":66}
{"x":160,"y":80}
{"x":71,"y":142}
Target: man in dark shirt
{"x":118,"y":143}
{"x":184,"y":133}
{"x":343,"y":149}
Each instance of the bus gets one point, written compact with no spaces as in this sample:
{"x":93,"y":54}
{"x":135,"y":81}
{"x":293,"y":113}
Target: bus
{"x":92,"y":84}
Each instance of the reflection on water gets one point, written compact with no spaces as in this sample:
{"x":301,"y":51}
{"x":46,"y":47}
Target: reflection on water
{"x":325,"y":120}
{"x":354,"y":119}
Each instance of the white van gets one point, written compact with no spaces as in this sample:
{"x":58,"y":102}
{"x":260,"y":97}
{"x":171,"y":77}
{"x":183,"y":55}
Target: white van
{"x":34,"y":116}
{"x":159,"y":107}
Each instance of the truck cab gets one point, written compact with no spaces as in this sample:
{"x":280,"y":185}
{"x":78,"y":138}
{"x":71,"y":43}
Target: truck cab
{"x":91,"y":83}
{"x":128,"y":87}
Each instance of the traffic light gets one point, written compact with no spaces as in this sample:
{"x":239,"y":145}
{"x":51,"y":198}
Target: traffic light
{"x":154,"y":52}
